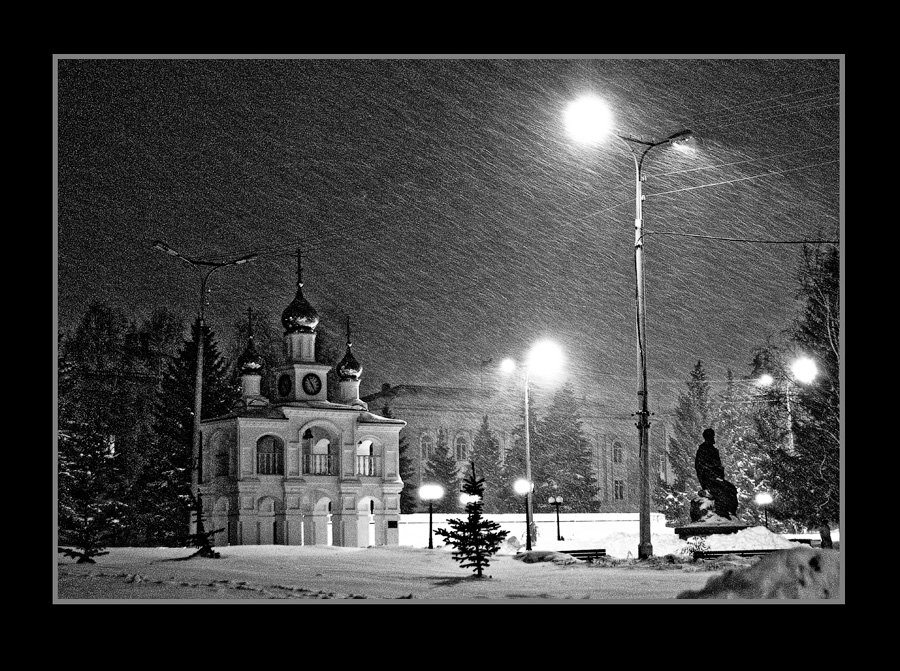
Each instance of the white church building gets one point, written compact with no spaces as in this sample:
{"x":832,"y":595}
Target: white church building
{"x":300,"y":468}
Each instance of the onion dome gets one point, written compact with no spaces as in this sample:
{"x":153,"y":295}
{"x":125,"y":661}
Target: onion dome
{"x":349,"y":368}
{"x":250,"y":362}
{"x":299,"y":316}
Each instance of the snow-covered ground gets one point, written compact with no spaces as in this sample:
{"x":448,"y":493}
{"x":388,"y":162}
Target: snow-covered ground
{"x":326,"y":572}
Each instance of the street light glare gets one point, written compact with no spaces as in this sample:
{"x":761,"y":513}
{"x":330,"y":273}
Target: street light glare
{"x":431,"y":492}
{"x":804,"y":370}
{"x":588,"y":119}
{"x":522,"y":486}
{"x":507,"y":365}
{"x":763,"y":498}
{"x":545,"y":358}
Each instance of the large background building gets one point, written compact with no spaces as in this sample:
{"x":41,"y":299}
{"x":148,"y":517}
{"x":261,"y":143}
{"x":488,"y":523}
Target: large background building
{"x":453,"y":415}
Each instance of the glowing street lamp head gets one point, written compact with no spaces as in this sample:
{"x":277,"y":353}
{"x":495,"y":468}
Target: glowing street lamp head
{"x":588,"y":119}
{"x":763,"y":499}
{"x":804,"y":370}
{"x":431,"y":492}
{"x":545,"y":358}
{"x":765,"y":380}
{"x":507,"y":365}
{"x":522,"y":486}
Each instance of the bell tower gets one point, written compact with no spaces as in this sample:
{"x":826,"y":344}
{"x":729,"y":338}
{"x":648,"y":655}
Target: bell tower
{"x":301,"y":378}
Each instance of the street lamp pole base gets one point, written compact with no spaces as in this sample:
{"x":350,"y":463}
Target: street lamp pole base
{"x":645,"y":550}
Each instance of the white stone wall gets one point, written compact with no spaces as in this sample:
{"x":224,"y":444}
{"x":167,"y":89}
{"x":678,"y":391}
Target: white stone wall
{"x":573,"y":526}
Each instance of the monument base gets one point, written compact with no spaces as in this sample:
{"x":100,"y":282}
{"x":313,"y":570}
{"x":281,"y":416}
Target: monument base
{"x":700,"y":529}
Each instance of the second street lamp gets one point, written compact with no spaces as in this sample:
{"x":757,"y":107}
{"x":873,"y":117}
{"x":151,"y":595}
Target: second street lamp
{"x":524,"y":487}
{"x":430,"y":493}
{"x":556,"y":501}
{"x":763,"y":499}
{"x":545,"y":357}
{"x":590,"y":120}
{"x":213,"y":266}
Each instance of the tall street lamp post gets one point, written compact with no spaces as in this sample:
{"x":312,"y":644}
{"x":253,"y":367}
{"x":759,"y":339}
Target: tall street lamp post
{"x":590,"y":120}
{"x":524,"y":487}
{"x":200,"y":265}
{"x":763,"y":499}
{"x":430,"y":493}
{"x":544,"y":357}
{"x":556,"y":501}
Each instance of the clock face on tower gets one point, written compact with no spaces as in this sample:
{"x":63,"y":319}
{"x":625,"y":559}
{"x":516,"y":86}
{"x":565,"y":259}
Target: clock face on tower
{"x":284,"y":385}
{"x":311,"y":384}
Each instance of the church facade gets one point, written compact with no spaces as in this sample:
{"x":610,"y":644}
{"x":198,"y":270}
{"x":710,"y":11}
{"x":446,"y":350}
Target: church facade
{"x":300,"y":468}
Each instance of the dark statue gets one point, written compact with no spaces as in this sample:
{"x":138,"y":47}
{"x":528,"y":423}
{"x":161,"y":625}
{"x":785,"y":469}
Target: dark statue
{"x":713,"y":484}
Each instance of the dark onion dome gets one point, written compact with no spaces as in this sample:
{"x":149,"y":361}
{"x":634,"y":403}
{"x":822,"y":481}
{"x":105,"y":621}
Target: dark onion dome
{"x":349,"y":368}
{"x":250,"y":362}
{"x":299,"y":316}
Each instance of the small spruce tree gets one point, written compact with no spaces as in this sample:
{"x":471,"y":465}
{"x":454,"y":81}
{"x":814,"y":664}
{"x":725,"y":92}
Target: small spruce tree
{"x":475,"y":539}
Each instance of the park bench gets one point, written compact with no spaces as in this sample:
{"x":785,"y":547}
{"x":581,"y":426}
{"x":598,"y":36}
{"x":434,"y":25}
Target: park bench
{"x":585,"y":555}
{"x":712,"y":554}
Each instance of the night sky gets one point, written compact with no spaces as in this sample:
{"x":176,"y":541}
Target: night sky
{"x":442,"y":205}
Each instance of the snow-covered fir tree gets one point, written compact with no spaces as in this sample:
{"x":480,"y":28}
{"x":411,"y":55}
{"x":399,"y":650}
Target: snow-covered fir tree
{"x":167,"y":503}
{"x":441,"y":469}
{"x":475,"y":538}
{"x":487,"y":459}
{"x":562,"y":461}
{"x":692,"y":415}
{"x":88,"y":468}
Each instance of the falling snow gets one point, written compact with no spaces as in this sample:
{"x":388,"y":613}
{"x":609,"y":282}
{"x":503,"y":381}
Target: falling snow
{"x":441,"y":205}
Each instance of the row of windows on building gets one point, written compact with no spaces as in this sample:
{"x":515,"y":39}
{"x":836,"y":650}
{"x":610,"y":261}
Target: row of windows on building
{"x":317,"y":458}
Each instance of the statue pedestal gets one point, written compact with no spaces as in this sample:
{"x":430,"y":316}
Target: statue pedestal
{"x":701,"y":529}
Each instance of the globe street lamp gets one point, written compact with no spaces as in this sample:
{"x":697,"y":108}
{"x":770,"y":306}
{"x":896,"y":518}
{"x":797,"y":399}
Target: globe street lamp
{"x":198,"y":264}
{"x":803,"y":370}
{"x":763,"y":499}
{"x":524,"y":487}
{"x":430,"y":493}
{"x":590,"y":120}
{"x":544,"y":358}
{"x":557,"y":501}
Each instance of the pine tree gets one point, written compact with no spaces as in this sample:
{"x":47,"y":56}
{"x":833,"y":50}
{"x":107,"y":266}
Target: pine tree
{"x":167,"y":500}
{"x":513,"y":466}
{"x":408,"y":497}
{"x":486,"y":457}
{"x":807,"y":479}
{"x":563,"y":462}
{"x":475,"y":539}
{"x":441,"y":469}
{"x":741,"y":455}
{"x":692,"y":415}
{"x":89,"y":505}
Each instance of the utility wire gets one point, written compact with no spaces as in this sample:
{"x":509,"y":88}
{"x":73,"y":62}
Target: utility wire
{"x":749,"y":160}
{"x":740,"y":179}
{"x":774,"y":242}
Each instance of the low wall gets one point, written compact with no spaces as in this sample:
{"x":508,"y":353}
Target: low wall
{"x":578,"y":527}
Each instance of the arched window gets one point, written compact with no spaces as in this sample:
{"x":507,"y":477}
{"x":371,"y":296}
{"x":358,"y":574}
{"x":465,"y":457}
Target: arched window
{"x":462,"y":448}
{"x":618,"y":453}
{"x":269,"y":456}
{"x":366,"y":461}
{"x":426,"y":443}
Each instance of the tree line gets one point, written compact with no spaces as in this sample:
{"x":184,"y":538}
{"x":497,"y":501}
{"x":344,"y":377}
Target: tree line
{"x":561,"y":464}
